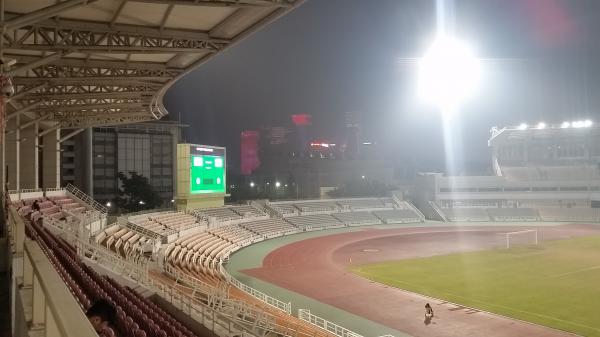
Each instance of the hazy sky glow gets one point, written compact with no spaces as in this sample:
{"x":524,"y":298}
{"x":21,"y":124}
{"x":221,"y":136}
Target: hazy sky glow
{"x":541,"y":62}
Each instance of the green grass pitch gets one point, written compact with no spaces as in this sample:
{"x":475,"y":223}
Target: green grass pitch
{"x":556,"y":284}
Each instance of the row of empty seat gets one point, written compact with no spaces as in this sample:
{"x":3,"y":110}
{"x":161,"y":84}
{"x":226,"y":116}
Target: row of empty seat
{"x":317,"y":221}
{"x":125,"y":241}
{"x":569,"y":214}
{"x":561,"y":173}
{"x":165,"y":223}
{"x":229,"y":213}
{"x":59,"y":208}
{"x":269,"y":228}
{"x":398,"y":216}
{"x":294,"y":208}
{"x":491,"y":214}
{"x":357,"y":218}
{"x":199,"y":253}
{"x":136,"y":316}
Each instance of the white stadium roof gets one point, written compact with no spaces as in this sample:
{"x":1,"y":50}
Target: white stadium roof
{"x":104,"y":62}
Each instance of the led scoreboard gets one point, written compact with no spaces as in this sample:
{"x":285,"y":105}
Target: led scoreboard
{"x":201,"y":176}
{"x":207,"y":170}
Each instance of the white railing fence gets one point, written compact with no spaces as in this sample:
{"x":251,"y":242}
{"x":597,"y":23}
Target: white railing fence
{"x":437,"y":209}
{"x":77,"y":193}
{"x":214,"y":294}
{"x":416,"y":210}
{"x":324,"y":324}
{"x":270,"y":300}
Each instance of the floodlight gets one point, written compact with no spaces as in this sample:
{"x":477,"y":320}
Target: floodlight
{"x":565,"y":125}
{"x":541,"y":125}
{"x":588,"y":123}
{"x":448,"y":72}
{"x":523,"y":126}
{"x":142,"y":202}
{"x":108,"y":204}
{"x":251,"y":184}
{"x":277,"y":184}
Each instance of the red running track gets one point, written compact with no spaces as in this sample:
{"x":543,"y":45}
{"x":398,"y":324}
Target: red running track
{"x":317,"y":268}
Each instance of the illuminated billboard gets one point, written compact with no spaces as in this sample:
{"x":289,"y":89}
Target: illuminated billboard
{"x":207,"y":169}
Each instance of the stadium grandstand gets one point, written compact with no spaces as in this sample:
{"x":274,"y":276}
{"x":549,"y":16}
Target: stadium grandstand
{"x":541,"y":174}
{"x":75,"y":64}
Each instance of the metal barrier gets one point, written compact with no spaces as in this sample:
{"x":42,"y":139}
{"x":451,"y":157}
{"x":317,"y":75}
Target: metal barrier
{"x":54,"y":189}
{"x":77,"y":193}
{"x":272,"y":301}
{"x":437,"y":209}
{"x":54,"y":310}
{"x":148,"y":211}
{"x":194,"y":282}
{"x":324,"y":324}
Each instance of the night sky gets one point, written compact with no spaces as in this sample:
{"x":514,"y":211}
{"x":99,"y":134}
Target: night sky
{"x":541,"y":63}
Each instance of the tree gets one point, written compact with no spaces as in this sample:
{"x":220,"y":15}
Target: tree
{"x":136,"y":193}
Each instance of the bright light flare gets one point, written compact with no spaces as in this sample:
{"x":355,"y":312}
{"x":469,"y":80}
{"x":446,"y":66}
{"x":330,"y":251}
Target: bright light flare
{"x":541,"y":125}
{"x":523,"y":126}
{"x":565,"y":125}
{"x":449,"y":73}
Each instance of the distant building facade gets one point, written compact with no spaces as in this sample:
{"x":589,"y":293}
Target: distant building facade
{"x":249,"y":152}
{"x":93,"y":159}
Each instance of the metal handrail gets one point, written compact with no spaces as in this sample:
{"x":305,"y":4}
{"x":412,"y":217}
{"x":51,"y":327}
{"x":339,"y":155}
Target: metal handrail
{"x":326,"y":325}
{"x":270,"y":300}
{"x":77,"y":193}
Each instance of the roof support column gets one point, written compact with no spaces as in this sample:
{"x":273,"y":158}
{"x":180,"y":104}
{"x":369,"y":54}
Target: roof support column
{"x":51,"y":159}
{"x":11,"y":153}
{"x":29,"y":157}
{"x":2,"y":129}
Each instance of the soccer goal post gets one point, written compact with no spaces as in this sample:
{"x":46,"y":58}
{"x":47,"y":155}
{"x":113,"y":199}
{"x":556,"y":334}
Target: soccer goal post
{"x":526,"y":237}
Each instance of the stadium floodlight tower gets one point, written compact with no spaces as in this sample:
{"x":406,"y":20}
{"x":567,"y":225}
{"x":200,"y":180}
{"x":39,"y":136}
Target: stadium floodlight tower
{"x":449,"y":73}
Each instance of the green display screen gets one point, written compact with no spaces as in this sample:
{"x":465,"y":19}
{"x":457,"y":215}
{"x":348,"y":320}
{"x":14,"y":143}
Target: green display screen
{"x":207,"y":174}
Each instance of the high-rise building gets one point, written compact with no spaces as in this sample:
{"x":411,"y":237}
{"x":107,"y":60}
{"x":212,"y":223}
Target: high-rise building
{"x":145,"y":148}
{"x":302,"y":124}
{"x":249,"y":152}
{"x":351,"y":145}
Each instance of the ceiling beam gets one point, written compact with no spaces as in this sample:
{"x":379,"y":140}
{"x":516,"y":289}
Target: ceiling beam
{"x":26,"y":92}
{"x":23,"y":110}
{"x":70,"y":135}
{"x":166,"y":17}
{"x":39,"y":62}
{"x":96,"y":80}
{"x":103,"y":120}
{"x":80,"y":62}
{"x":74,"y":96}
{"x":118,"y":12}
{"x":47,"y":131}
{"x":87,"y":107}
{"x":43,"y":13}
{"x":221,"y":3}
{"x":137,"y":30}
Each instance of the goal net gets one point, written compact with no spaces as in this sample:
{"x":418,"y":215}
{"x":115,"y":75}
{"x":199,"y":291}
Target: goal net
{"x":520,"y":238}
